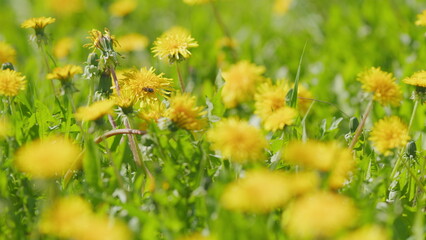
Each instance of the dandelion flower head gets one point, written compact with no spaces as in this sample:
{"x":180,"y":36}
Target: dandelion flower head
{"x":174,"y":45}
{"x":152,"y":111}
{"x":121,"y":8}
{"x":389,"y":133}
{"x":38,"y":23}
{"x":7,"y":53}
{"x":11,"y":82}
{"x":49,"y":157}
{"x":65,"y":7}
{"x":94,"y":111}
{"x":382,"y":85}
{"x":63,"y":47}
{"x":369,"y":232}
{"x":65,"y":73}
{"x":418,"y":79}
{"x":132,"y":42}
{"x":281,"y":6}
{"x":184,"y":112}
{"x":241,"y":80}
{"x":421,"y":19}
{"x":237,"y":140}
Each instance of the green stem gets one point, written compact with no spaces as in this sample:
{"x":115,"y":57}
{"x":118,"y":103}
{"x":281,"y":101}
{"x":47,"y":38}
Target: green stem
{"x":182,"y":85}
{"x":361,"y":125}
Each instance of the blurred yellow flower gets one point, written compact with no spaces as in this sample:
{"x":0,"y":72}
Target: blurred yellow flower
{"x":418,"y":79}
{"x":49,"y":157}
{"x":260,"y":191}
{"x":370,"y":232}
{"x":11,"y":82}
{"x":121,"y":8}
{"x":270,"y":97}
{"x":38,"y":23}
{"x":280,"y":118}
{"x":132,"y":42}
{"x":63,"y":47}
{"x":319,"y":215}
{"x":241,"y":80}
{"x":65,"y":7}
{"x":101,"y":227}
{"x":421,"y":19}
{"x":5,"y":127}
{"x":183,"y":112}
{"x":237,"y":140}
{"x":94,"y":111}
{"x":174,"y":45}
{"x":382,"y":85}
{"x":281,"y":6}
{"x":152,"y":111}
{"x":7,"y":53}
{"x":125,"y":100}
{"x":196,"y":2}
{"x":389,"y":133}
{"x":305,"y":98}
{"x":65,"y":73}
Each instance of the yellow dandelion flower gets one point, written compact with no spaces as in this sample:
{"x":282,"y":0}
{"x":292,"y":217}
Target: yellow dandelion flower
{"x":281,"y":6}
{"x":304,"y":100}
{"x":183,"y":112}
{"x":237,"y":140}
{"x":63,"y":47}
{"x":196,"y":2}
{"x":65,"y":7}
{"x":369,"y":232}
{"x":47,"y":158}
{"x":226,"y":42}
{"x":5,"y":127}
{"x":7,"y":53}
{"x":94,"y":111}
{"x":389,"y":133}
{"x":121,"y":8}
{"x":421,"y":19}
{"x":280,"y":118}
{"x":382,"y":85}
{"x":240,"y":83}
{"x":125,"y":100}
{"x":11,"y":82}
{"x":65,"y":73}
{"x":303,"y":182}
{"x":152,"y":111}
{"x":270,"y":97}
{"x":102,"y":228}
{"x":132,"y":42}
{"x":146,"y":85}
{"x":418,"y":79}
{"x":260,"y":191}
{"x":37,"y":23}
{"x":174,"y":45}
{"x":102,"y":41}
{"x":319,"y":215}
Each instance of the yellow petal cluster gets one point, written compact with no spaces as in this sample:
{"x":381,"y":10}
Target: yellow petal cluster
{"x":237,"y":140}
{"x":94,"y":111}
{"x":183,"y":112}
{"x":65,"y":73}
{"x":421,"y":19}
{"x":7,"y":53}
{"x":47,"y":158}
{"x":38,"y":23}
{"x":241,"y":80}
{"x":382,"y":85}
{"x":418,"y":79}
{"x":319,"y":215}
{"x":369,"y":232}
{"x":281,"y":6}
{"x":174,"y":45}
{"x":65,"y":7}
{"x":63,"y":47}
{"x":11,"y":82}
{"x":389,"y":133}
{"x":121,"y":8}
{"x":152,"y":111}
{"x":72,"y":218}
{"x":132,"y":42}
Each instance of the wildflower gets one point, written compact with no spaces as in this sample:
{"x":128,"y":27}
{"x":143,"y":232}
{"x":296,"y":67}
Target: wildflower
{"x":94,"y":111}
{"x":389,"y":133}
{"x":102,"y":41}
{"x":152,"y":111}
{"x":279,"y":119}
{"x":145,"y":84}
{"x":65,"y":73}
{"x":11,"y":82}
{"x":382,"y":85}
{"x":421,"y":19}
{"x":121,"y":8}
{"x":174,"y":45}
{"x":319,"y":215}
{"x":132,"y":42}
{"x":47,"y":158}
{"x":260,"y":191}
{"x":65,"y":7}
{"x":369,"y":232}
{"x":281,"y":6}
{"x":270,"y":97}
{"x":240,"y":83}
{"x":184,"y":113}
{"x":125,"y":101}
{"x":63,"y":47}
{"x":418,"y":79}
{"x":38,"y":24}
{"x":237,"y":140}
{"x":5,"y":127}
{"x":7,"y":53}
{"x":196,"y":2}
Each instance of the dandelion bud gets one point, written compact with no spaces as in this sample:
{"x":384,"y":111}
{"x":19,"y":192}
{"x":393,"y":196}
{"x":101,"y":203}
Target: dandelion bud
{"x":7,"y":65}
{"x":411,"y":149}
{"x":105,"y":83}
{"x":353,"y":124}
{"x":93,"y":59}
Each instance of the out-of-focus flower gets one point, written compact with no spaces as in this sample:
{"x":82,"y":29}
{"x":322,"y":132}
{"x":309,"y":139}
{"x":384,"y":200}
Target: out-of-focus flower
{"x":389,"y":133}
{"x":304,"y":98}
{"x":65,"y":73}
{"x":280,"y":118}
{"x":11,"y":82}
{"x":382,"y":85}
{"x":370,"y":232}
{"x":418,"y":79}
{"x":421,"y":19}
{"x":241,"y":80}
{"x":183,"y":112}
{"x":152,"y":111}
{"x":237,"y":140}
{"x":47,"y":158}
{"x":63,"y":47}
{"x":5,"y":127}
{"x":7,"y":53}
{"x":281,"y":6}
{"x":174,"y":45}
{"x":319,"y":215}
{"x":65,"y":7}
{"x":121,"y":8}
{"x":196,"y":2}
{"x":132,"y":42}
{"x":94,"y":111}
{"x":38,"y":24}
